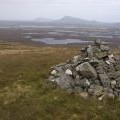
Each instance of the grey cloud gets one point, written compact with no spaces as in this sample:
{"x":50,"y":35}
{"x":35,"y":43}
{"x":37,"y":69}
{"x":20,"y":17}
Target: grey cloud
{"x":103,"y":10}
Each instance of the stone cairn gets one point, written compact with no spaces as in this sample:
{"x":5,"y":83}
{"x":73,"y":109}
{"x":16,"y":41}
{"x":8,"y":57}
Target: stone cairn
{"x":95,"y":72}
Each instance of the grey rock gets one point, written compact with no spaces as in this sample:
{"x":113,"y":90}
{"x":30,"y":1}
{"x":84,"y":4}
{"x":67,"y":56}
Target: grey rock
{"x":92,"y":86}
{"x":84,"y":83}
{"x":118,"y":80}
{"x":94,"y":62}
{"x":84,"y":95}
{"x":77,"y":80}
{"x":52,"y":79}
{"x":76,"y":59}
{"x":99,"y":69}
{"x":78,"y":89}
{"x":111,"y":68}
{"x":113,"y":82}
{"x":117,"y":74}
{"x":97,"y":82}
{"x":118,"y":85}
{"x":59,"y":69}
{"x":116,"y":93}
{"x":68,"y":66}
{"x":87,"y":70}
{"x":68,"y":72}
{"x":75,"y":74}
{"x":96,"y":72}
{"x":65,"y":81}
{"x":90,"y":52}
{"x":100,"y":98}
{"x":110,"y":95}
{"x":101,"y":55}
{"x":98,"y":90}
{"x":112,"y":58}
{"x":112,"y":75}
{"x":90,"y":91}
{"x":104,"y":47}
{"x":109,"y":90}
{"x":54,"y":72}
{"x":104,"y":80}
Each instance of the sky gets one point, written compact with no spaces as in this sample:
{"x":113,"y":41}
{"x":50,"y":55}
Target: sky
{"x":100,"y":10}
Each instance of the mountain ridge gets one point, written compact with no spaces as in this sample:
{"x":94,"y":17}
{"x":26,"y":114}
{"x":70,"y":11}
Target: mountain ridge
{"x":71,"y":19}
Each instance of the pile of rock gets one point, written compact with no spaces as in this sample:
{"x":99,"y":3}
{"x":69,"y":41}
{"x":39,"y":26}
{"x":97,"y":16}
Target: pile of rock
{"x":95,"y":72}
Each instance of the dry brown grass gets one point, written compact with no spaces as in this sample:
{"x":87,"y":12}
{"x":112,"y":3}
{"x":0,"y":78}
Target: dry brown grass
{"x":26,"y":95}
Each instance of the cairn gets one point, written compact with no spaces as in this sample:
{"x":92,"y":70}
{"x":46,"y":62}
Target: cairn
{"x":95,"y":72}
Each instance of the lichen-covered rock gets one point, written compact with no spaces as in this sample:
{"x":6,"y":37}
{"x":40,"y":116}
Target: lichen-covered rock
{"x":87,"y":70}
{"x":65,"y":81}
{"x":104,"y":80}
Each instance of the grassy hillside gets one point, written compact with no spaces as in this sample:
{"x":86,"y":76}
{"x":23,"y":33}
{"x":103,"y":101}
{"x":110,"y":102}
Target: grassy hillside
{"x":25,"y":94}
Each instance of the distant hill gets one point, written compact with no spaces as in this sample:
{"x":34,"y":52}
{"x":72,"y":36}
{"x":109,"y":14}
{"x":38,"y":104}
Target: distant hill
{"x":64,"y":21}
{"x":43,"y":20}
{"x":77,"y":21}
{"x":72,"y":20}
{"x":67,"y":20}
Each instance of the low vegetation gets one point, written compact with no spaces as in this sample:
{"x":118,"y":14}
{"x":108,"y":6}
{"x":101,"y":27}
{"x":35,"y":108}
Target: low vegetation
{"x":26,"y":95}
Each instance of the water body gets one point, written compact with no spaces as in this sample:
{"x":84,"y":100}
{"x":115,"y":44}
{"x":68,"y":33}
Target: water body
{"x":5,"y":27}
{"x":52,"y":41}
{"x":55,"y":33}
{"x":67,"y":31}
{"x":100,"y":36}
{"x":31,"y":33}
{"x":28,"y":37}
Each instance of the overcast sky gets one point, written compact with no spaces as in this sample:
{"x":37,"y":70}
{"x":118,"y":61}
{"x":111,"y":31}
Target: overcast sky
{"x":101,"y":10}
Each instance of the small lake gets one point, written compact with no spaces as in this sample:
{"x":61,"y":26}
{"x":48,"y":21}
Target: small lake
{"x":53,"y":41}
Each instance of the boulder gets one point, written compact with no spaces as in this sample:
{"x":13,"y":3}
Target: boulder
{"x":87,"y":70}
{"x":104,"y":80}
{"x":66,"y":81}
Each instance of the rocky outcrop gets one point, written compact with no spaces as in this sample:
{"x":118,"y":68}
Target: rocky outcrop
{"x":95,"y":72}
